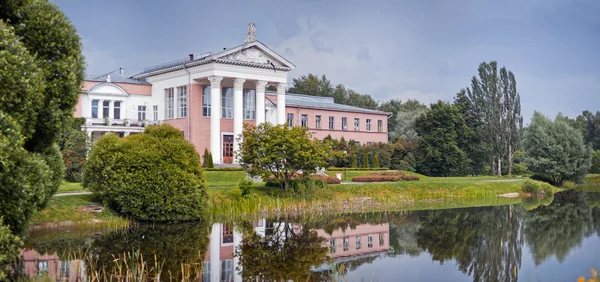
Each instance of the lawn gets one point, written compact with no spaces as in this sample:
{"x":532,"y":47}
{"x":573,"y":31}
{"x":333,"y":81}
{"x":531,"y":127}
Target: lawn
{"x":70,"y":187}
{"x":70,"y":208}
{"x":224,"y":178}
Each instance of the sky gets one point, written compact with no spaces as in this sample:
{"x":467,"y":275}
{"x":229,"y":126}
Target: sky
{"x":402,"y":49}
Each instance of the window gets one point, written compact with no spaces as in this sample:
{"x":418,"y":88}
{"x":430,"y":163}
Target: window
{"x":94,"y":108}
{"x":141,"y":113}
{"x":169,"y":103}
{"x":65,"y":269}
{"x":105,"y":109}
{"x":332,"y":246}
{"x":318,"y":122}
{"x":304,"y":120}
{"x":370,"y":241}
{"x":182,"y":101}
{"x":380,"y":125}
{"x":206,"y":101}
{"x":227,"y":103}
{"x":42,"y":267}
{"x":369,"y":143}
{"x":226,"y":270}
{"x":155,"y":111}
{"x":346,"y":243}
{"x":117,"y":110}
{"x":227,"y":234}
{"x":381,"y":239}
{"x":356,"y":124}
{"x":331,"y":123}
{"x":344,"y":123}
{"x":206,"y":271}
{"x":290,"y":120}
{"x":368,"y":124}
{"x":249,"y":104}
{"x":357,"y":242}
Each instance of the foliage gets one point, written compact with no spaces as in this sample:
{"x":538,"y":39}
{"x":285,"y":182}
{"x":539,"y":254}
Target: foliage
{"x":24,"y":177}
{"x":536,"y":187}
{"x":497,"y":105}
{"x":388,"y":176}
{"x":154,"y":176}
{"x":281,"y":151}
{"x":519,"y":169}
{"x":354,"y":161}
{"x":313,"y":85}
{"x":397,"y":154}
{"x":326,"y":179}
{"x":53,"y":159}
{"x":555,"y":151}
{"x":73,"y":144}
{"x":376,"y":161}
{"x":9,"y":250}
{"x":365,"y":162}
{"x":246,"y":187}
{"x":267,"y":258}
{"x":405,"y":116}
{"x":595,"y":168}
{"x":207,"y":160}
{"x":443,"y":134}
{"x":356,"y":169}
{"x":476,"y":148}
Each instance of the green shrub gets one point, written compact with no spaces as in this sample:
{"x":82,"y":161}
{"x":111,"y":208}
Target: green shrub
{"x":354,"y":161}
{"x":366,"y":161}
{"x":9,"y":250}
{"x":246,"y":187}
{"x":595,"y":162}
{"x":154,"y":176}
{"x":53,"y":159}
{"x":211,"y":163}
{"x":519,"y":169}
{"x":73,"y":144}
{"x":355,"y":169}
{"x":531,"y":187}
{"x":376,"y":161}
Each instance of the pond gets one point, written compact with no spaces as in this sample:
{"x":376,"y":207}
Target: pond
{"x":556,"y":239}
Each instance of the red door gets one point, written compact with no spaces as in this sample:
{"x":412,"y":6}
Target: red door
{"x":227,"y":149}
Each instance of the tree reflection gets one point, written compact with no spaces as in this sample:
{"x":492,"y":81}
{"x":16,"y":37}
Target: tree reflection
{"x":288,"y":253}
{"x":485,"y":242}
{"x":557,"y":228}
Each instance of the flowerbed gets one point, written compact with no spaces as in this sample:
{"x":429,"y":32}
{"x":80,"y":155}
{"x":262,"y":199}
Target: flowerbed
{"x":390,"y":176}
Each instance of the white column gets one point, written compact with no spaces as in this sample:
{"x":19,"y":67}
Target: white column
{"x":215,"y":251}
{"x":237,"y":243}
{"x":260,"y":102}
{"x":111,"y":106}
{"x":101,"y":109}
{"x":126,"y":133}
{"x":281,"y":103}
{"x":215,"y":118}
{"x":238,"y":113}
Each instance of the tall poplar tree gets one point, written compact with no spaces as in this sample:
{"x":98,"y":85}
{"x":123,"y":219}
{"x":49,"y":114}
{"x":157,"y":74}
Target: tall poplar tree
{"x":497,"y":104}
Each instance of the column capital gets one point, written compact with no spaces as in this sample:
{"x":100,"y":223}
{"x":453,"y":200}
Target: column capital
{"x":238,"y":83}
{"x":215,"y":80}
{"x":261,"y":85}
{"x":281,"y":88}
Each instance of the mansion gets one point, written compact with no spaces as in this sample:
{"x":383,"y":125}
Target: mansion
{"x":210,"y":96}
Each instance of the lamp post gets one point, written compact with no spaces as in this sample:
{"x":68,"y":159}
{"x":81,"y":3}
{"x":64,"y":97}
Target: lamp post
{"x":345,"y":167}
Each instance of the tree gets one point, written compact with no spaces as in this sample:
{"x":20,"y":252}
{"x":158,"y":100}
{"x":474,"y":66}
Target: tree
{"x":555,"y":151}
{"x":497,"y":105}
{"x":366,"y":160}
{"x":354,"y":161}
{"x":443,"y":134}
{"x":313,"y":85}
{"x":9,"y":250}
{"x":376,"y":161}
{"x":476,"y":149}
{"x":41,"y":71}
{"x":405,"y":118}
{"x":74,"y":144}
{"x":154,"y":176}
{"x":595,"y":168}
{"x":281,"y":151}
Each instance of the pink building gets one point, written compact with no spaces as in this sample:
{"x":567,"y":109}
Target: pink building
{"x":210,"y":96}
{"x":50,"y":265}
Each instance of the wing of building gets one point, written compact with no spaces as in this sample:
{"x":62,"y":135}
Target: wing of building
{"x":210,"y":96}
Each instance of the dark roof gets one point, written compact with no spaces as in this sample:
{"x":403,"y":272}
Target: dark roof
{"x":116,"y":77}
{"x":326,"y":103}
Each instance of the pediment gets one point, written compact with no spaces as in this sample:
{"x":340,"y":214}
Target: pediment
{"x":256,"y":53}
{"x":107,"y":88}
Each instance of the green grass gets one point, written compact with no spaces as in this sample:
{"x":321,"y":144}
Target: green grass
{"x":224,"y":178}
{"x":70,"y":187}
{"x":70,"y":208}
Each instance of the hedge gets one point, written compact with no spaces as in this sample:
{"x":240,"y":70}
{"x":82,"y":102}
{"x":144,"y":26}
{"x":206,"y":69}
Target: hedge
{"x":154,"y":176}
{"x":390,"y":176}
{"x":355,"y":169}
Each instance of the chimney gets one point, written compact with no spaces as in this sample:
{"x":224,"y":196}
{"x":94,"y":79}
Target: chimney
{"x":121,"y":71}
{"x":191,"y":57}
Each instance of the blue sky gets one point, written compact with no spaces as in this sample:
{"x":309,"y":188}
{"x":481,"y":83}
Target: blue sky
{"x":425,"y":50}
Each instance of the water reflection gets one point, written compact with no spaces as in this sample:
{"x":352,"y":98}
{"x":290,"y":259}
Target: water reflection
{"x":501,"y":243}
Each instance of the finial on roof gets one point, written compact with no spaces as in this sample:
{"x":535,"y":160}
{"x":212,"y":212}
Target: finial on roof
{"x":108,"y":78}
{"x":251,"y":36}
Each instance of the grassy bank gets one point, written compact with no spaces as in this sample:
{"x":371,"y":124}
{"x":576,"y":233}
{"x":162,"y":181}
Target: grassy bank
{"x":66,"y":187}
{"x":224,"y":178}
{"x":70,"y":210}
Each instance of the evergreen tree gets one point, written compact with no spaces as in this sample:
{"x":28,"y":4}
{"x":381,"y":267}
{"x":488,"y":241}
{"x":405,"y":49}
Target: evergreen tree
{"x":366,"y":160}
{"x":205,"y":158}
{"x":376,"y":161}
{"x":354,"y":161}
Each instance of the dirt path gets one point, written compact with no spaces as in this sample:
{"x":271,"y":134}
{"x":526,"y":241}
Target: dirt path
{"x":503,"y":180}
{"x":72,"y":194}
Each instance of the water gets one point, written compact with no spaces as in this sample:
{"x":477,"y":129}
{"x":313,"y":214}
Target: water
{"x":556,"y":239}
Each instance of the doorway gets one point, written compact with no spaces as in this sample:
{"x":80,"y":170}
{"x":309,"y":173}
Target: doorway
{"x":227,"y":149}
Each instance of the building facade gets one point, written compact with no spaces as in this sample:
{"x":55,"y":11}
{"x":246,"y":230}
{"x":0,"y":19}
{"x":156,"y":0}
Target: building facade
{"x":210,"y":96}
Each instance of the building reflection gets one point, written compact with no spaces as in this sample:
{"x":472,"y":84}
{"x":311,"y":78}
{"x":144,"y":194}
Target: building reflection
{"x":51,"y":266}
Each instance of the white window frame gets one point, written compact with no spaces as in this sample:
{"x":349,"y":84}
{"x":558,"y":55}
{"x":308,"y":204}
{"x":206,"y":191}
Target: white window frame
{"x":304,"y":120}
{"x":155,"y":112}
{"x":356,"y":124}
{"x":379,"y":125}
{"x":249,"y":100}
{"x":169,"y":103}
{"x":370,"y":241}
{"x":290,"y":119}
{"x":331,"y":123}
{"x":97,"y":108}
{"x":318,"y":122}
{"x":141,"y":112}
{"x":182,"y":101}
{"x":117,"y":109}
{"x":206,"y":104}
{"x":344,"y":123}
{"x":227,"y":102}
{"x":368,"y":124}
{"x":106,"y":109}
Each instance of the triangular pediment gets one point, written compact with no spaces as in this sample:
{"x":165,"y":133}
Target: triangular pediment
{"x":255,"y":52}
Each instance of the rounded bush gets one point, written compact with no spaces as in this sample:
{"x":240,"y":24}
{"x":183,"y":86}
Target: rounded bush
{"x":154,"y":176}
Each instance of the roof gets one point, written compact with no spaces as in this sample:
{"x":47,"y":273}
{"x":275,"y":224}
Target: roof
{"x":116,"y":77}
{"x":219,"y":57}
{"x":325,"y":103}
